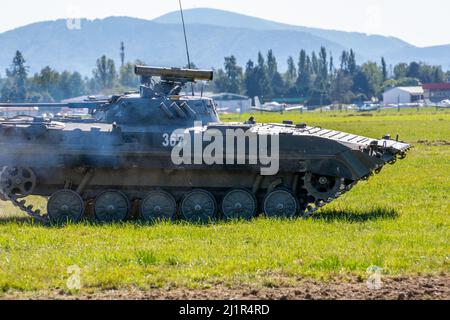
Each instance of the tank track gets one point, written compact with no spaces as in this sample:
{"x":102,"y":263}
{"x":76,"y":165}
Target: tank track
{"x":22,"y":205}
{"x":37,"y":215}
{"x":308,"y":208}
{"x":28,"y":209}
{"x":319,"y":204}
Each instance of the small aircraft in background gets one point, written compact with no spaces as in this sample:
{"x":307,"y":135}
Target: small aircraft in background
{"x":274,"y":107}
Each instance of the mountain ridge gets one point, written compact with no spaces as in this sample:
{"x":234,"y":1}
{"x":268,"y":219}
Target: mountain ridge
{"x":160,"y":42}
{"x":225,"y":18}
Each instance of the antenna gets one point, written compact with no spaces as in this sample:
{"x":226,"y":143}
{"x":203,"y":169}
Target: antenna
{"x":186,"y":42}
{"x":122,"y":53}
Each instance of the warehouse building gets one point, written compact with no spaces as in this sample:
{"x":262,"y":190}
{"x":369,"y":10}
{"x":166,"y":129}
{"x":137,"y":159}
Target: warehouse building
{"x":230,"y":102}
{"x":437,"y":92}
{"x":400,"y":95}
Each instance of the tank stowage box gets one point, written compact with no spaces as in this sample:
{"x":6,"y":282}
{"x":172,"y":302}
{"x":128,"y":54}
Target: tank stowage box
{"x":158,"y":154}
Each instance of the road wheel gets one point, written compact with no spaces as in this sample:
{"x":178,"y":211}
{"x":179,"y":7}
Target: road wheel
{"x":158,"y":205}
{"x":280,"y":203}
{"x":65,"y":206}
{"x":111,"y":207}
{"x":199,"y":206}
{"x":239,"y":204}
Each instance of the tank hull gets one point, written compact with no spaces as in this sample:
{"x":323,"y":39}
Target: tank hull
{"x":92,"y":157}
{"x":158,"y":154}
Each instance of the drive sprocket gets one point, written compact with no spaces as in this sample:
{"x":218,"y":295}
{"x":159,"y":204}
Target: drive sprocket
{"x":322,"y":187}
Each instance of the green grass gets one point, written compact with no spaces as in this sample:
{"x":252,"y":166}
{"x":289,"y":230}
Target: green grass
{"x":398,"y":220}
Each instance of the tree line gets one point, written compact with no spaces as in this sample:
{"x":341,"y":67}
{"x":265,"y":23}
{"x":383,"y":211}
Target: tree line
{"x":317,"y":78}
{"x":49,"y":85}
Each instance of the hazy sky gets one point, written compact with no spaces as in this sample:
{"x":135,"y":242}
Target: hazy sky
{"x":422,"y":23}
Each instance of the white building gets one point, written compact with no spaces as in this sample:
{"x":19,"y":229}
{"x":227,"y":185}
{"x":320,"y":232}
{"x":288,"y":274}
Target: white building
{"x":9,"y":112}
{"x":401,"y":95}
{"x":229,"y":102}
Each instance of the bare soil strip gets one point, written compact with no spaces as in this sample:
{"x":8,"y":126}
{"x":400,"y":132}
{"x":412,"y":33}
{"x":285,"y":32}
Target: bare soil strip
{"x":395,"y":288}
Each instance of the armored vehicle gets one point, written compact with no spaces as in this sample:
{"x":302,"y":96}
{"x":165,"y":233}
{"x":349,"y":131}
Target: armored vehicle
{"x":148,"y":155}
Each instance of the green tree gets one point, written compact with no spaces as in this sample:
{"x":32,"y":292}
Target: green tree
{"x":15,"y":88}
{"x":361,"y":84}
{"x":384,"y":69}
{"x":220,"y":81}
{"x":304,"y":74}
{"x":64,"y":85}
{"x":127,"y":76}
{"x":291,"y":73}
{"x":344,"y":61}
{"x":105,"y":74}
{"x":71,"y":85}
{"x":368,"y":79}
{"x":77,"y":85}
{"x":251,"y":80}
{"x":428,"y":73}
{"x":276,"y":82}
{"x":439,"y":75}
{"x":400,"y":70}
{"x":272,"y":65}
{"x":331,"y":65}
{"x":314,"y":63}
{"x":46,"y":84}
{"x":231,"y":79}
{"x":351,"y":63}
{"x":341,"y":87}
{"x":319,"y":93}
{"x":233,"y":74}
{"x":2,"y":82}
{"x":321,"y":81}
{"x":413,"y":70}
{"x":261,"y":73}
{"x":278,"y":86}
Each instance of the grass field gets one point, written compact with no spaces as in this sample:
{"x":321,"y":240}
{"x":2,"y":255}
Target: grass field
{"x":398,"y":220}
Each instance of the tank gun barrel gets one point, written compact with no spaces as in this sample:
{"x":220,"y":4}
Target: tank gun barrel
{"x":174,"y":73}
{"x":74,"y":105}
{"x":32,"y":105}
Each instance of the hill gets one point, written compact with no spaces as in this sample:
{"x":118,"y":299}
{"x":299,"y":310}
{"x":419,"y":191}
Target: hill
{"x":370,"y":46}
{"x":213,"y":34}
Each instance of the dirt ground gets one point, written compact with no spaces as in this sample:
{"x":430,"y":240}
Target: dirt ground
{"x":398,"y":288}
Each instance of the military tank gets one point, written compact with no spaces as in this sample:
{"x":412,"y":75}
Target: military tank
{"x":147,"y":155}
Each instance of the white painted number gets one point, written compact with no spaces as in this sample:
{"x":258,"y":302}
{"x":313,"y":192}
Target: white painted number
{"x":166,"y":140}
{"x":171,"y":140}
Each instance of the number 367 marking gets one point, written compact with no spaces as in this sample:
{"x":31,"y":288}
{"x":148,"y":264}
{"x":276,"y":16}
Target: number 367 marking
{"x":171,"y":140}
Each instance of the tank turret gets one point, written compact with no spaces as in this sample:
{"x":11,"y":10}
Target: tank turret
{"x":158,"y":101}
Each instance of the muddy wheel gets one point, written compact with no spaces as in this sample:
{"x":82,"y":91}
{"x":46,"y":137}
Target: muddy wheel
{"x":199,"y":206}
{"x":111,"y":207}
{"x":65,"y":206}
{"x":17,"y":181}
{"x":280,"y":203}
{"x":239,"y":204}
{"x":158,"y":205}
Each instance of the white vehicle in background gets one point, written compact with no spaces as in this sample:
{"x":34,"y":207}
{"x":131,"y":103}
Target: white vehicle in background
{"x":369,"y":107}
{"x":444,"y":104}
